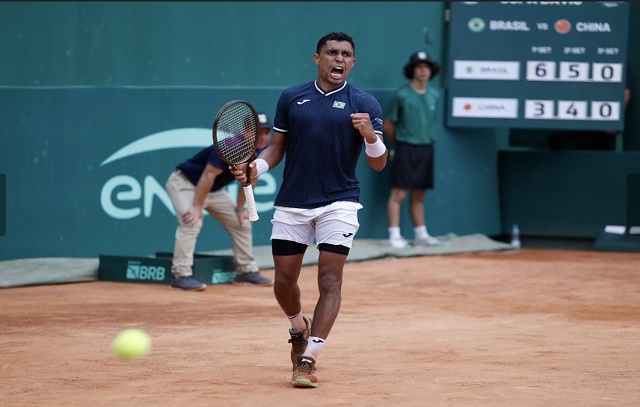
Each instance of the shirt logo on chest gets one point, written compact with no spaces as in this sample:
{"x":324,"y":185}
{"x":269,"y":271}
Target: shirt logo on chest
{"x":339,"y":105}
{"x":304,"y":101}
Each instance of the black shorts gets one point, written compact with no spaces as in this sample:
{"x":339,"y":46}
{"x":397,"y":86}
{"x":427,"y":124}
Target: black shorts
{"x":412,"y":166}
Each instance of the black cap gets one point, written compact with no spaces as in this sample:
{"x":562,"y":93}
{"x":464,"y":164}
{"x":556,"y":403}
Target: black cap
{"x":415,"y":59}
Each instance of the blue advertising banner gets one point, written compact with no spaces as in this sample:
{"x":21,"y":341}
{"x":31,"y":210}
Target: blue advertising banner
{"x":86,"y":169}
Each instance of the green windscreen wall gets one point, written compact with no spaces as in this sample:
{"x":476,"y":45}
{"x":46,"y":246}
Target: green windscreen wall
{"x":228,"y":44}
{"x":81,"y":81}
{"x":100,"y":100}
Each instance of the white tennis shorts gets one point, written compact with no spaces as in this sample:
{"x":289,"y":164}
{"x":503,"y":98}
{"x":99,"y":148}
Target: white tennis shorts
{"x":335,"y":224}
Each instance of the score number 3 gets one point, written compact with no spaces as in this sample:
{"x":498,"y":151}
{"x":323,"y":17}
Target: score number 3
{"x":538,"y":109}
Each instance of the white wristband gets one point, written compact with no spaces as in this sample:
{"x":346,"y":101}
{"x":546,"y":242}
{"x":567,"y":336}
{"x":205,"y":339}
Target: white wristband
{"x":376,"y":149}
{"x":261,"y":167}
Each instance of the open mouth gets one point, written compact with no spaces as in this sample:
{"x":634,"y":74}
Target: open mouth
{"x":337,"y":72}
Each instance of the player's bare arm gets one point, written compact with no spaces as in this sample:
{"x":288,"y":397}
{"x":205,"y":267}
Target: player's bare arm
{"x":362,"y":123}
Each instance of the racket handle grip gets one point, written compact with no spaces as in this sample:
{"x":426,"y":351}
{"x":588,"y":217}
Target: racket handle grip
{"x":251,"y":203}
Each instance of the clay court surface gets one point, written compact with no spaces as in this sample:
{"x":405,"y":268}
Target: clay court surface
{"x":538,"y":327}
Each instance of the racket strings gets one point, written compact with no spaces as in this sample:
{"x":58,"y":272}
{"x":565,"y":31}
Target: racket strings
{"x":237,"y":133}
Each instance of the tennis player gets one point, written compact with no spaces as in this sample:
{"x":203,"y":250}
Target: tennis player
{"x":321,"y":127}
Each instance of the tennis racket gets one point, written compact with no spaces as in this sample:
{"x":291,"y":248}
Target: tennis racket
{"x":235,"y":137}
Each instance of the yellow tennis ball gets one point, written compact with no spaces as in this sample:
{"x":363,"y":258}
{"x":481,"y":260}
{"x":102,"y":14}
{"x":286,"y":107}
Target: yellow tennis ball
{"x":131,"y":344}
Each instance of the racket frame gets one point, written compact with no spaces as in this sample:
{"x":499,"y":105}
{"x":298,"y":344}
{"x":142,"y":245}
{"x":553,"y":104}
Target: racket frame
{"x":248,"y":190}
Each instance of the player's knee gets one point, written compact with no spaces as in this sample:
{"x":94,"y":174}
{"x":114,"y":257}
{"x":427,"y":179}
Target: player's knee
{"x":287,"y":247}
{"x":330,"y":282}
{"x":334,"y":248}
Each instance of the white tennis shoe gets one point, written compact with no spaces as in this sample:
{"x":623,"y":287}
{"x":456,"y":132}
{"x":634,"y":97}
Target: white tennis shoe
{"x":398,"y":243}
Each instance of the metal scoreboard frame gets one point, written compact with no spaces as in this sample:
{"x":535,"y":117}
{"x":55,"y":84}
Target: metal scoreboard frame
{"x":537,"y":65}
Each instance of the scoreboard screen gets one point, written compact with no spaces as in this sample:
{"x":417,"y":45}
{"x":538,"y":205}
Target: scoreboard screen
{"x":537,"y":65}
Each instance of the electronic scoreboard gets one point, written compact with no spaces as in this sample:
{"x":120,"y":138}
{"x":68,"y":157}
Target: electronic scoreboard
{"x":537,"y":65}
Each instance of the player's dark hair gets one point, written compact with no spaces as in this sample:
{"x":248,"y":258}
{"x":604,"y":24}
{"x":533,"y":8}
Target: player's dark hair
{"x":333,"y":36}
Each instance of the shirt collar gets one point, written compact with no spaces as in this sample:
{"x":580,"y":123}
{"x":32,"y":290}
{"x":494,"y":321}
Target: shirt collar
{"x":332,"y":92}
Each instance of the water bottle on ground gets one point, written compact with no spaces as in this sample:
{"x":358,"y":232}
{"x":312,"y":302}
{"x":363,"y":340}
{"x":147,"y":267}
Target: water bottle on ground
{"x":515,"y":237}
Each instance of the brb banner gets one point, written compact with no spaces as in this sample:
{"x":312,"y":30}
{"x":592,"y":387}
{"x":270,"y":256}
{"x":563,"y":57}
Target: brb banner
{"x":85,"y":168}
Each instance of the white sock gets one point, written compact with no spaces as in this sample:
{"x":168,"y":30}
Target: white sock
{"x":314,"y":346}
{"x":394,"y":232}
{"x":420,"y":232}
{"x":297,"y":322}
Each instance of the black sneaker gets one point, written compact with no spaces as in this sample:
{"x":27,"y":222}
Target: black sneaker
{"x":187,"y":283}
{"x":252,"y":278}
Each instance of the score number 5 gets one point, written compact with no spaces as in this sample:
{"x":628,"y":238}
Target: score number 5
{"x":574,"y":71}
